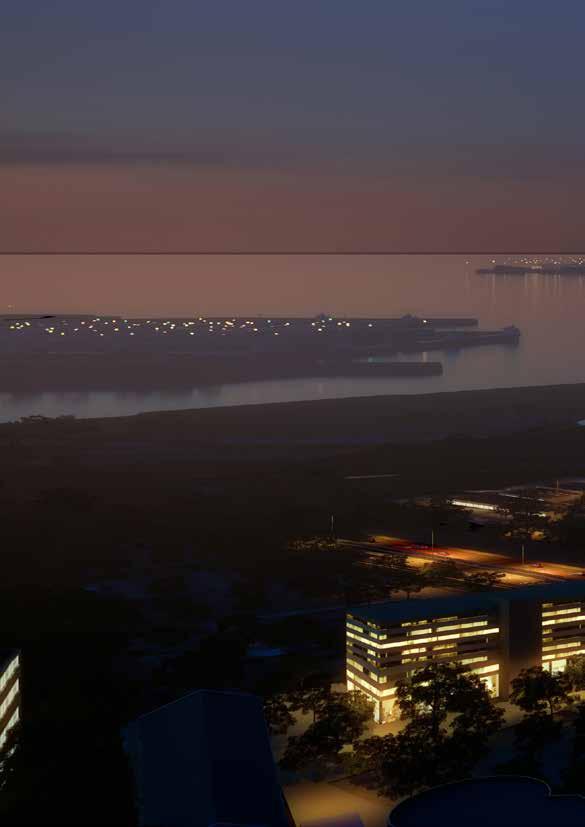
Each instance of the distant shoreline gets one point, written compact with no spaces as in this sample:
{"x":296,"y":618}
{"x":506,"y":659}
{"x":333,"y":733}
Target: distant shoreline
{"x":353,"y":421}
{"x":32,"y":373}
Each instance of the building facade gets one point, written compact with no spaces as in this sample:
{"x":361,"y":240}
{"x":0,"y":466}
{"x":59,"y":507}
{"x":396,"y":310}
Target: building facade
{"x":9,"y":692}
{"x":493,"y":634}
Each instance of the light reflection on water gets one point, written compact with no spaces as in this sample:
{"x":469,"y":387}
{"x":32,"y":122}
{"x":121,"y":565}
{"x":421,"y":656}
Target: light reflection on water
{"x":548,"y":310}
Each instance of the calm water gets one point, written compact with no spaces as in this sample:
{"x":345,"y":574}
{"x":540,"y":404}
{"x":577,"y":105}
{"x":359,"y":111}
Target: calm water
{"x":550,"y":311}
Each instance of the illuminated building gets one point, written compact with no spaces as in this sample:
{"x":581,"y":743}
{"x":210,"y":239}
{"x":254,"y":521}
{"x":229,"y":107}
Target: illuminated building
{"x":9,"y":692}
{"x":492,"y":634}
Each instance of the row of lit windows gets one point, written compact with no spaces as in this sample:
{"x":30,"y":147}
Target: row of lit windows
{"x":422,"y":622}
{"x":9,"y":672}
{"x":462,"y":661}
{"x":8,"y":700}
{"x":486,"y":670}
{"x":477,"y":659}
{"x":571,"y":619}
{"x":14,"y":718}
{"x":572,"y":653}
{"x":380,"y":693}
{"x":425,"y":657}
{"x":572,"y":610}
{"x":570,"y":645}
{"x":371,"y":689}
{"x":462,"y":626}
{"x":432,"y":639}
{"x":357,"y":665}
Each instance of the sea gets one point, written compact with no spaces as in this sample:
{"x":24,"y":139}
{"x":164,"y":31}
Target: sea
{"x":548,"y":310}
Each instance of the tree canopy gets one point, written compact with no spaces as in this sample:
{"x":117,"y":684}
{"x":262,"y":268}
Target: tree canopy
{"x":539,"y":691}
{"x":450,"y":718}
{"x":339,"y":722}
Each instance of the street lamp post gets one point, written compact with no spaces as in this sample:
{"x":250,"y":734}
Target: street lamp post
{"x":523,"y":554}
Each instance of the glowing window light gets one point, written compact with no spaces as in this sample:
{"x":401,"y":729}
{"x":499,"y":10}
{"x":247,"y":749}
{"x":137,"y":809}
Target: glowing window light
{"x":572,"y":610}
{"x":559,"y":620}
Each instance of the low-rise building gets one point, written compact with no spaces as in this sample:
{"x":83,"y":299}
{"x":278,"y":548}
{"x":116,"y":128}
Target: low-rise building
{"x":9,"y":692}
{"x":492,"y":634}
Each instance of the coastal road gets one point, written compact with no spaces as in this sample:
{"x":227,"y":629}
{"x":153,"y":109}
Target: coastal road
{"x":516,"y":573}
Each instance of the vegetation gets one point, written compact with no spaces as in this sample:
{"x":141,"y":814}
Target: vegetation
{"x":450,"y":717}
{"x":339,"y":719}
{"x":542,"y":695}
{"x":575,"y":672}
{"x":540,"y":692}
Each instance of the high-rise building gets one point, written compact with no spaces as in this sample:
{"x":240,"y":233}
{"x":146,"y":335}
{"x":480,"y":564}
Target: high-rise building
{"x":492,"y":634}
{"x":9,"y":692}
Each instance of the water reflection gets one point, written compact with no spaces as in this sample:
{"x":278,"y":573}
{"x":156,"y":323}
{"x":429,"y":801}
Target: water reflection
{"x":549,"y":310}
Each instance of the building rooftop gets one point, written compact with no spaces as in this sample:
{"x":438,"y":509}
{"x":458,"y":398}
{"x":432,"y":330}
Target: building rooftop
{"x":206,"y":759}
{"x":420,"y":607}
{"x":484,"y":802}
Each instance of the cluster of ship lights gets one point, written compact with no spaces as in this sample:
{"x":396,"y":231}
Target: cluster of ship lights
{"x":201,"y":324}
{"x":541,"y":261}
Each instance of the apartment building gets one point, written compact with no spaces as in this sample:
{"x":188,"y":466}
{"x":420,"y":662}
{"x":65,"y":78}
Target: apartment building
{"x":492,"y":634}
{"x":9,"y":692}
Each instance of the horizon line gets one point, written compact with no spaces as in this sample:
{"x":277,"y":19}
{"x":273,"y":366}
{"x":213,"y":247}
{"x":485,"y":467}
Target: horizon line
{"x":289,"y":252}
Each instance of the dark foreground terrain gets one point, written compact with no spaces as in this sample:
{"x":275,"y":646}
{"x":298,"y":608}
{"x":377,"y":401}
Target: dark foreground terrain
{"x":136,"y":551}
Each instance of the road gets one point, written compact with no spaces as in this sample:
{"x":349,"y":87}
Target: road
{"x":516,"y":573}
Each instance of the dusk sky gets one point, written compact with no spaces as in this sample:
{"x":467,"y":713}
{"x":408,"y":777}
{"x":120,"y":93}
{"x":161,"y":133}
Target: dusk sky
{"x":313,"y":125}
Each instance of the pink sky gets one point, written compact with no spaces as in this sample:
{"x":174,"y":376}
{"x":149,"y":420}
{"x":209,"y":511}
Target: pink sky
{"x":141,"y":207}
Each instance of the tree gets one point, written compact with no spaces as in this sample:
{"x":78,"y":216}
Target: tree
{"x":541,"y":694}
{"x":406,"y":578}
{"x":312,"y":695}
{"x":427,"y":696}
{"x":536,"y":730}
{"x":439,"y":689}
{"x":575,"y":672}
{"x":539,"y":691}
{"x":427,"y":750}
{"x":483,"y":580}
{"x":441,"y":571}
{"x":279,"y":717}
{"x":401,"y":764}
{"x":341,"y":721}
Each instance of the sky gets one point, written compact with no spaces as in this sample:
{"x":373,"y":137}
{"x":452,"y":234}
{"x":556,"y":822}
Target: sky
{"x":265,"y":125}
